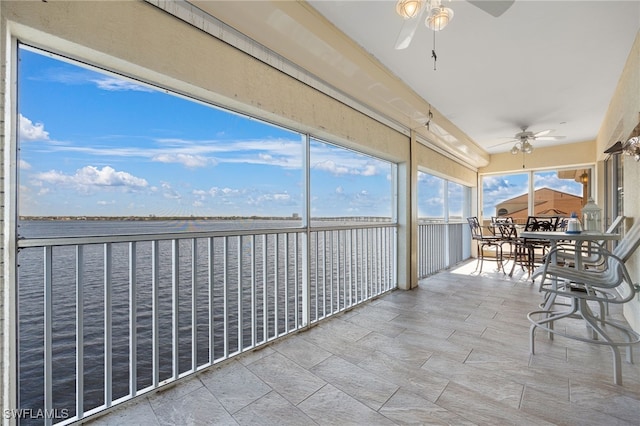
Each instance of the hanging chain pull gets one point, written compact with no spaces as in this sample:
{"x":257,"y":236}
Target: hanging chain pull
{"x":433,"y":51}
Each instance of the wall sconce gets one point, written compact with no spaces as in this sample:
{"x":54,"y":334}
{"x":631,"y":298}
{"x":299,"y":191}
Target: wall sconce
{"x":584,"y":178}
{"x":632,"y":147}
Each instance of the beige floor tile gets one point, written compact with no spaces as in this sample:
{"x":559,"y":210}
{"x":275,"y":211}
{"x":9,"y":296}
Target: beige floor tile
{"x":407,"y":408}
{"x":562,"y":412}
{"x":424,"y":383}
{"x":366,"y":387}
{"x":482,"y":409}
{"x":487,"y":382}
{"x":287,"y":378}
{"x":301,"y":351}
{"x":272,"y":410}
{"x":331,"y":406}
{"x":397,"y":348}
{"x":199,"y":407}
{"x":135,"y":413}
{"x":234,"y":385}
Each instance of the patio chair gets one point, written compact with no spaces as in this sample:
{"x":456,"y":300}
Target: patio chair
{"x":520,"y":252}
{"x":565,"y":253}
{"x":484,"y":242}
{"x":609,"y":283}
{"x":536,"y":246}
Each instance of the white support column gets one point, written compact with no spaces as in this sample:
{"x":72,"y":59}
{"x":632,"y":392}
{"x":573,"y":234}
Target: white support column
{"x":8,"y":287}
{"x":407,"y":208}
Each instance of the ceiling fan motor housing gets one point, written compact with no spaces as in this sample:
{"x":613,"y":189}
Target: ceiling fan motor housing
{"x":525,"y":135}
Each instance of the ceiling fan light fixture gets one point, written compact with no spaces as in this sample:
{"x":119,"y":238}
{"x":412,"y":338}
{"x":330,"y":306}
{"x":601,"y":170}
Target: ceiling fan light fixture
{"x":516,"y":149}
{"x":527,"y":148}
{"x":632,"y":147}
{"x":408,"y":9}
{"x":439,"y":17}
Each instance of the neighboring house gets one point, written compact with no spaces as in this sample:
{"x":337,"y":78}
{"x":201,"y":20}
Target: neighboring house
{"x":547,"y":202}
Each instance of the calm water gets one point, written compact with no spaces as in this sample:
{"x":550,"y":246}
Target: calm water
{"x":230,"y":255}
{"x":64,"y":271}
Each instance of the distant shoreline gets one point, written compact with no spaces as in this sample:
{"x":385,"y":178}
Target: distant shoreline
{"x":192,"y":218}
{"x":155,"y":218}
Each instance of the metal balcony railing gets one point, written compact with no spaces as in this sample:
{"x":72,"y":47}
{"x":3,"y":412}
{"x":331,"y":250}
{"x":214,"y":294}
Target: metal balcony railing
{"x":104,"y":319}
{"x":440,"y":246}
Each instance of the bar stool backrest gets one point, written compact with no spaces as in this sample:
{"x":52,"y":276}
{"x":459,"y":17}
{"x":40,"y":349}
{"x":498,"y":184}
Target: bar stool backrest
{"x":476,"y":229}
{"x":629,"y":243}
{"x":540,"y":223}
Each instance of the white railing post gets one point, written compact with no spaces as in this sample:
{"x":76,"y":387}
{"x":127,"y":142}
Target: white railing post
{"x":108,"y":344}
{"x":175,"y":307}
{"x":155,"y":309}
{"x":79,"y":331}
{"x":133,"y":314}
{"x":48,"y":330}
{"x":194,"y":307}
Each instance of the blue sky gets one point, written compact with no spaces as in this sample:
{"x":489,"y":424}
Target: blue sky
{"x":503,"y":187}
{"x":95,"y":144}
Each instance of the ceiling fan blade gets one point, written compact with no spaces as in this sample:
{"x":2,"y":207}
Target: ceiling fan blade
{"x":408,"y":29}
{"x":493,"y":7}
{"x":542,"y":133}
{"x":503,"y":143}
{"x":549,"y":138}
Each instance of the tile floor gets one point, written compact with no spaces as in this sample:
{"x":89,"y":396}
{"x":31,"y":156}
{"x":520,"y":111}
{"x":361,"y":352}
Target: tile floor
{"x":453,"y":351}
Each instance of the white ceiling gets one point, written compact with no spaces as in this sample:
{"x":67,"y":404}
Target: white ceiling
{"x":542,"y":64}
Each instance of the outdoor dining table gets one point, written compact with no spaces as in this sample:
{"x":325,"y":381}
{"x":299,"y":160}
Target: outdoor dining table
{"x":587,"y":239}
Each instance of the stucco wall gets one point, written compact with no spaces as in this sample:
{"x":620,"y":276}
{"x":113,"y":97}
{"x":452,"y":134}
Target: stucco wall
{"x":558,"y":156}
{"x":435,"y":162}
{"x":621,"y":118}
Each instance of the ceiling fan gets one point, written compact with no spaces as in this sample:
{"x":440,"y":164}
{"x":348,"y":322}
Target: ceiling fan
{"x":524,"y":138}
{"x":438,"y":16}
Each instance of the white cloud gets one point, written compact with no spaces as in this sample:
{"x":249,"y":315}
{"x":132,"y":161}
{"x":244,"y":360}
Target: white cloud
{"x":331,"y":167}
{"x":217,"y":192}
{"x":24,"y":165}
{"x":353,"y":167}
{"x":93,"y":177}
{"x":369,"y":170}
{"x":281,"y":197}
{"x":118,"y":85}
{"x":339,"y":190}
{"x":187,"y":160}
{"x":169,"y":192}
{"x":105,"y":203}
{"x":32,"y":132}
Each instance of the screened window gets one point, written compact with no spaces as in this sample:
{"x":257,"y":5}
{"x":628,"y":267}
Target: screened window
{"x":350,"y":185}
{"x":538,"y":193}
{"x":431,"y":198}
{"x":442,"y":200}
{"x":94,"y":144}
{"x":505,"y":195}
{"x":458,"y":201}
